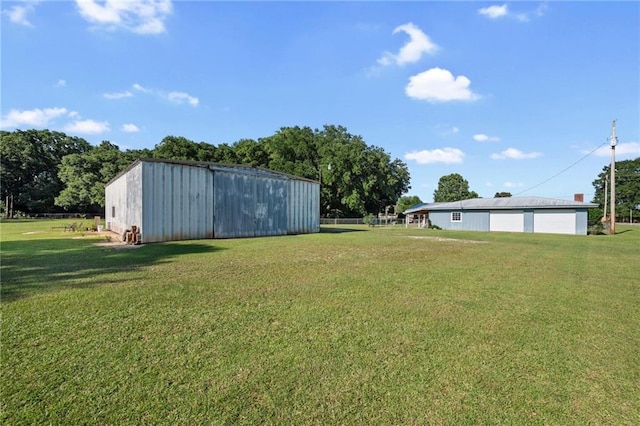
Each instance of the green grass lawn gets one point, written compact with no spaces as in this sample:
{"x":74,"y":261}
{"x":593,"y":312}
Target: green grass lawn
{"x":366,"y":326}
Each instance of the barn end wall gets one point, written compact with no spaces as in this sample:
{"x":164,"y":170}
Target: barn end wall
{"x":177,"y":202}
{"x":123,"y":201}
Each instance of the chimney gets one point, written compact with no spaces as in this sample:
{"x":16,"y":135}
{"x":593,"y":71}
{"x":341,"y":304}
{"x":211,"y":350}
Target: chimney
{"x":578,"y":198}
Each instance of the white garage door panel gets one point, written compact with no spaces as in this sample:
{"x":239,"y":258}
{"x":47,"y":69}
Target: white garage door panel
{"x":554,"y":222}
{"x":506,"y":221}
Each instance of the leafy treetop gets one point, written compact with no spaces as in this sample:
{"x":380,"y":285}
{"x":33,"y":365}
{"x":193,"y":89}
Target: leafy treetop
{"x":453,"y":187}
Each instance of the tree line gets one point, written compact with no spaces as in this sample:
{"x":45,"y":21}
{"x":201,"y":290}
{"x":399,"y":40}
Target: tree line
{"x":627,"y":190}
{"x":48,"y":171}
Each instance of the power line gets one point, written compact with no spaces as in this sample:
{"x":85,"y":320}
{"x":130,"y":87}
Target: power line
{"x":560,"y":172}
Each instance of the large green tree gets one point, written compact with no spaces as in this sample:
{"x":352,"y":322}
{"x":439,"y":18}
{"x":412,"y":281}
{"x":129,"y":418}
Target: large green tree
{"x":453,"y":187}
{"x":627,"y":188}
{"x":293,"y":150}
{"x":355,"y":178}
{"x":176,"y":148}
{"x":29,"y":162}
{"x":86,"y":174}
{"x":251,"y":153}
{"x":407,"y":201}
{"x":362,"y":179}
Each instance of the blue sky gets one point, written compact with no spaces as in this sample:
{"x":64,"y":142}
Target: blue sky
{"x":508,"y":94}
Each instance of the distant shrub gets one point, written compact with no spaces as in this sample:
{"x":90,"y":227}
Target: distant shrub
{"x":369,"y":219}
{"x":596,"y":229}
{"x":432,"y":226}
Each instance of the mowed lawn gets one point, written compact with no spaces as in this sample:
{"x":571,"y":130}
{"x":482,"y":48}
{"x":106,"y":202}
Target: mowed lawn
{"x":355,"y":325}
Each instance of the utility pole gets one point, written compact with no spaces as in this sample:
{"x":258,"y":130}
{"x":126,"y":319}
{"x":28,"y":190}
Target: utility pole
{"x":613,"y":142}
{"x":606,"y":194}
{"x":320,"y":167}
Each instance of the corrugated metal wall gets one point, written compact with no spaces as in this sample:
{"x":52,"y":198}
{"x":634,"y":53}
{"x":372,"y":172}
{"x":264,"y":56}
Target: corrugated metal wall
{"x":271,"y":206}
{"x":249,"y":204}
{"x":123,"y":201}
{"x":177,"y":202}
{"x":304,"y":207}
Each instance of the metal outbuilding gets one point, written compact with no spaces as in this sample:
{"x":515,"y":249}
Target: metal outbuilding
{"x":508,"y":214}
{"x":170,"y":200}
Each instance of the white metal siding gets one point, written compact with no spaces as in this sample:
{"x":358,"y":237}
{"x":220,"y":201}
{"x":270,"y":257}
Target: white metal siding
{"x":271,"y":206}
{"x":554,"y":221}
{"x":178,"y":202}
{"x":506,"y":221}
{"x":303,"y":207}
{"x":234,"y":205}
{"x":123,"y":197}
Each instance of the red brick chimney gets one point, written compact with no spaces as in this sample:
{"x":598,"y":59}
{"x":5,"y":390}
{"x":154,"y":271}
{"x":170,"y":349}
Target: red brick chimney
{"x":578,"y":198}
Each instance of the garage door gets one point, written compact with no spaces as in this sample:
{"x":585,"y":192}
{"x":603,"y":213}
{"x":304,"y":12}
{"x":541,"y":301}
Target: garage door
{"x":511,"y":221}
{"x":554,"y":222}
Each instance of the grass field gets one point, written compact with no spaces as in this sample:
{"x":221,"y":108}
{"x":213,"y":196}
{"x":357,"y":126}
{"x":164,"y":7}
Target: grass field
{"x":363,"y":326}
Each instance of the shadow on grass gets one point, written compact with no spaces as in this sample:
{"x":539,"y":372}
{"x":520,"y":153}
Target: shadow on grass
{"x":325,"y":230}
{"x":36,"y":266}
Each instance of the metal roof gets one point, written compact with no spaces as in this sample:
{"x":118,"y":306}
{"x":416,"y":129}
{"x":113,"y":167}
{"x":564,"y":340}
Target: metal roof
{"x":237,"y":168}
{"x":505,"y":203}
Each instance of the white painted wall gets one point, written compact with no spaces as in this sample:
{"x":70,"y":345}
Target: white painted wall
{"x":554,"y":222}
{"x":506,"y":221}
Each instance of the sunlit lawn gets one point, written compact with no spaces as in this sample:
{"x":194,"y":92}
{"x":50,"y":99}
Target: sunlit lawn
{"x":372,"y":326}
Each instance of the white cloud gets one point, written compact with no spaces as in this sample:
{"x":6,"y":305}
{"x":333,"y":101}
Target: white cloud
{"x":439,"y":85}
{"x":515,"y":154}
{"x":140,"y":88}
{"x":181,"y":97}
{"x":446,"y":130}
{"x":419,"y":43}
{"x":513,"y":184}
{"x":439,"y":155}
{"x":138,"y":16}
{"x":87,"y":127}
{"x":538,"y":12}
{"x":96,"y":13}
{"x":35,"y":117}
{"x":542,"y":8}
{"x":118,"y":95}
{"x":61,"y":83}
{"x":175,"y":96}
{"x":18,"y":13}
{"x":130,"y":128}
{"x":627,"y":148}
{"x":480,"y":137}
{"x":494,"y":12}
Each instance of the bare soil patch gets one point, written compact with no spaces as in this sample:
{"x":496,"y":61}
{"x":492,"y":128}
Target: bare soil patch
{"x":419,"y":237}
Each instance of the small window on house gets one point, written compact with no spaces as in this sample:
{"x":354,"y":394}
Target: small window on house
{"x":113,"y":211}
{"x":456,"y":217}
